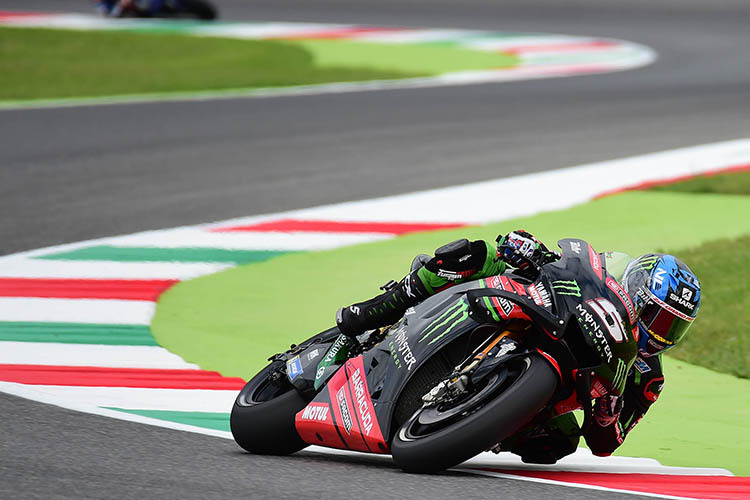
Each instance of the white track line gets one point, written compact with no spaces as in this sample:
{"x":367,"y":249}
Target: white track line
{"x":576,"y":485}
{"x":76,"y":310}
{"x":83,"y":269}
{"x":113,"y":356}
{"x":241,"y":240}
{"x":137,"y":398}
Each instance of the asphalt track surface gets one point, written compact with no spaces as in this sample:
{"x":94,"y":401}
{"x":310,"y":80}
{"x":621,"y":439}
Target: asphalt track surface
{"x":78,"y":173}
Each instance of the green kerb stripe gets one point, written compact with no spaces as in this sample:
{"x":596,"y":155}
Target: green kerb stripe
{"x":148,"y":254}
{"x":207,"y":420}
{"x":76,"y":333}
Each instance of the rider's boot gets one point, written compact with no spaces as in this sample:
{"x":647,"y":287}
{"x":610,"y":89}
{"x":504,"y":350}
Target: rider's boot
{"x":385,"y":309}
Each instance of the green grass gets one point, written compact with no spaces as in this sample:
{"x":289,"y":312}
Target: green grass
{"x":700,"y":420}
{"x":733,"y":183}
{"x":421,"y":58}
{"x":47,"y":64}
{"x":43,"y":63}
{"x":720,"y":339}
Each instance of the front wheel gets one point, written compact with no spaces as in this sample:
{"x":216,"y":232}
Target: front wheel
{"x":439,"y":437}
{"x":262,"y":419}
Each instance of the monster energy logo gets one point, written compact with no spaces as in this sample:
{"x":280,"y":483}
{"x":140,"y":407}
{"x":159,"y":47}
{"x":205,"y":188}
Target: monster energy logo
{"x":453,"y":316}
{"x":648,"y":263}
{"x":620,"y":374}
{"x":567,"y":288}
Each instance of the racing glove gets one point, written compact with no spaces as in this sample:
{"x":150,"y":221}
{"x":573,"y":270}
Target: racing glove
{"x":607,"y":410}
{"x":521,"y":250}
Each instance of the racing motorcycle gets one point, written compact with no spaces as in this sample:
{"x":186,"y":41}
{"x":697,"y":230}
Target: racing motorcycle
{"x":458,"y":374}
{"x":199,"y":9}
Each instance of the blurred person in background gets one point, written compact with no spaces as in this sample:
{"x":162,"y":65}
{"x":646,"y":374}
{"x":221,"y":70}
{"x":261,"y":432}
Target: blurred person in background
{"x":129,"y":8}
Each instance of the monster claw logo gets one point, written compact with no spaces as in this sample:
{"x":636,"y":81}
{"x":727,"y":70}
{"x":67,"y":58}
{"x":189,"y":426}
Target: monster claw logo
{"x":566,"y":288}
{"x":648,"y":263}
{"x":450,"y":318}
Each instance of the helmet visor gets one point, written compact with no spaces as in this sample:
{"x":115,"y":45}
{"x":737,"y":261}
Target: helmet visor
{"x":665,"y":325}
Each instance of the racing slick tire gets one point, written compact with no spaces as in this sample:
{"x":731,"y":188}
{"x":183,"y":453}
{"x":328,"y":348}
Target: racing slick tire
{"x":429,"y":445}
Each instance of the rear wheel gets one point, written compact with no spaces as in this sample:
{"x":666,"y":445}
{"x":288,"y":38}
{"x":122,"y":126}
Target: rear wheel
{"x":441,"y":436}
{"x":262,"y":419}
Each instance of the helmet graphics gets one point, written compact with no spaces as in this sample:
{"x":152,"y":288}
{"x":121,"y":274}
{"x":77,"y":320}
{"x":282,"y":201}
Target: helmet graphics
{"x":667,"y":295}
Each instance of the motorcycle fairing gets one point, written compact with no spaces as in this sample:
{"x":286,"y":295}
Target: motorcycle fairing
{"x":343,"y":415}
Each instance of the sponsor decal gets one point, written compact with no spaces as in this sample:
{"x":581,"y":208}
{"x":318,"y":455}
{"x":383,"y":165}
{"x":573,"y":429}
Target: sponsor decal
{"x":653,"y":389}
{"x":648,"y":263}
{"x":493,"y":282}
{"x":668,"y":307}
{"x":346,"y":417}
{"x":409,"y":311}
{"x":313,"y":354}
{"x":596,"y":262}
{"x":315,"y":412}
{"x":454,"y":275}
{"x":624,"y":298}
{"x":589,"y":321}
{"x":620,"y":376}
{"x":679,"y":300}
{"x":575,"y":246}
{"x":610,"y":316}
{"x":354,"y":309}
{"x":687,"y":293}
{"x":598,"y":389}
{"x":505,"y":349}
{"x":659,"y":277}
{"x":505,"y":306}
{"x":540,"y":294}
{"x":562,"y":287}
{"x":341,"y":341}
{"x":401,"y":349}
{"x":641,"y":365}
{"x":338,"y":347}
{"x":363,"y":408}
{"x":294,"y":368}
{"x":452,"y":317}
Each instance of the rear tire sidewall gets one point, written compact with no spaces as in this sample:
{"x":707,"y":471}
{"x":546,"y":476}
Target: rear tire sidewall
{"x":267,"y":427}
{"x":495,"y":421}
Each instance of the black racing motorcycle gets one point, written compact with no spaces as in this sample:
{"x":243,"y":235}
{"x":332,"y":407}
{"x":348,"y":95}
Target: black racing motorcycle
{"x":460,"y":373}
{"x":198,"y":9}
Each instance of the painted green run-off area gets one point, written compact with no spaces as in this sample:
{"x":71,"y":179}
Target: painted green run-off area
{"x":153,"y":254}
{"x":47,"y":63}
{"x":222,"y":324}
{"x":76,"y":333}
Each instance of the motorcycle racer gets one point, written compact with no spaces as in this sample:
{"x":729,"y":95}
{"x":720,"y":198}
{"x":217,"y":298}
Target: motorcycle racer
{"x":129,"y":8}
{"x":665,"y":294}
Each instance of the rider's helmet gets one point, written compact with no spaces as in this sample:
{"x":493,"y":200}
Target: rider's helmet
{"x":667,"y":295}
